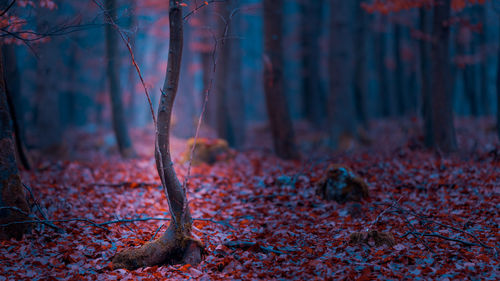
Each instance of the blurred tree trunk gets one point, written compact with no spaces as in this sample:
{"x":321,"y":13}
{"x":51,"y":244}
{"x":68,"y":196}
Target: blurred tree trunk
{"x":276,"y":102}
{"x":342,"y":119}
{"x":425,"y":21}
{"x":230,"y":108}
{"x":498,"y":92}
{"x":207,"y":65}
{"x":132,"y":72}
{"x":380,"y":53}
{"x":47,"y":114}
{"x":442,"y":101}
{"x":400,"y":93}
{"x":176,"y":245}
{"x":14,"y":101}
{"x":119,"y":123}
{"x":13,"y":204}
{"x":465,"y":49}
{"x":312,"y":95}
{"x":235,"y":95}
{"x":483,"y":66}
{"x":360,"y":80}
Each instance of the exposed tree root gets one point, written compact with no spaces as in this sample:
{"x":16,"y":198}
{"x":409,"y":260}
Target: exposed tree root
{"x":174,"y":247}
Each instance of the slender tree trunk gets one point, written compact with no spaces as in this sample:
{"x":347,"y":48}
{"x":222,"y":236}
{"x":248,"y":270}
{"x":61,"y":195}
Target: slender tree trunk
{"x":399,"y":71}
{"x":235,"y":95}
{"x":47,"y":100}
{"x":312,"y":97}
{"x":276,"y":102}
{"x":359,"y":66}
{"x":342,"y":119}
{"x":424,"y":45}
{"x":177,"y":244}
{"x":222,"y":123}
{"x":13,"y":204}
{"x":483,"y":67}
{"x":119,"y":123}
{"x":383,"y":80}
{"x":132,"y":73}
{"x":498,"y":93}
{"x":442,"y":104}
{"x":464,"y":48}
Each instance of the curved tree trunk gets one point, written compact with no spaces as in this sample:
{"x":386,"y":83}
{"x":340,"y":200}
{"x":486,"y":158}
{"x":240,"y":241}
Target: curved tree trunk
{"x":119,"y":123}
{"x":13,"y":204}
{"x":177,"y":244}
{"x":442,"y":102}
{"x":277,"y":108}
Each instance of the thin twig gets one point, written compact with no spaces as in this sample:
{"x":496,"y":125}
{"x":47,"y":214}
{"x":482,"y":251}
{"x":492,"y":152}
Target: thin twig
{"x":156,"y":232}
{"x":442,"y":237}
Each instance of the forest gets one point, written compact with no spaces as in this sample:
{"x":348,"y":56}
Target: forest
{"x":249,"y":139}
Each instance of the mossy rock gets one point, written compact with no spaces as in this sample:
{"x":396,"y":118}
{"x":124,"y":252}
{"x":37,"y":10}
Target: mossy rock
{"x":342,"y":185}
{"x":207,"y":151}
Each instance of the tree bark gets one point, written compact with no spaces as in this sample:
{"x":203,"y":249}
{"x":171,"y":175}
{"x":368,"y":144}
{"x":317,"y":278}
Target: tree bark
{"x":498,"y":92}
{"x":13,"y":204}
{"x":442,"y":104}
{"x":312,"y":96}
{"x":235,"y":96}
{"x":380,"y":51}
{"x":342,"y":119}
{"x":425,"y":20}
{"x":276,"y":103}
{"x":176,"y":245}
{"x":119,"y":124}
{"x":399,"y":71}
{"x":14,"y":100}
{"x":359,"y":66}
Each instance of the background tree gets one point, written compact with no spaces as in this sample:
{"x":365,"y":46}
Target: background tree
{"x":276,"y":102}
{"x":313,"y":100}
{"x":341,"y":116}
{"x":118,"y":115}
{"x":13,"y":204}
{"x":441,"y":101}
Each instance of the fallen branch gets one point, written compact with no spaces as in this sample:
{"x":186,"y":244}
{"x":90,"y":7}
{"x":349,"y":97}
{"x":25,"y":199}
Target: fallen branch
{"x":440,"y":236}
{"x":120,"y":184}
{"x":48,"y":222}
{"x":45,"y":222}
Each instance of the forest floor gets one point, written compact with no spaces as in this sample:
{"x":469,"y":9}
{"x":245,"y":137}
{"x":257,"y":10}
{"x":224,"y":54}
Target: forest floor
{"x":292,"y":233}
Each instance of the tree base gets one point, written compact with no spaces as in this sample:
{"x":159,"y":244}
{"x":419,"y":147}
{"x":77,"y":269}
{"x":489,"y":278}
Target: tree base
{"x":173,"y":247}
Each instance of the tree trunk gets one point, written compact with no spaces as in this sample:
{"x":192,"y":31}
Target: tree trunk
{"x":118,"y":116}
{"x":398,"y":71}
{"x":14,"y":102}
{"x":132,"y":73}
{"x":13,"y":204}
{"x":177,"y":244}
{"x":425,"y":20}
{"x":442,"y":104}
{"x":47,"y":100}
{"x":359,"y":66}
{"x":380,"y":53}
{"x":483,"y":67}
{"x":498,"y":93}
{"x":235,"y":95}
{"x":312,"y":97}
{"x":342,"y":119}
{"x":276,"y":103}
